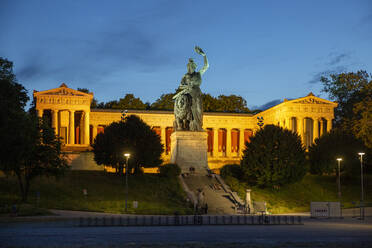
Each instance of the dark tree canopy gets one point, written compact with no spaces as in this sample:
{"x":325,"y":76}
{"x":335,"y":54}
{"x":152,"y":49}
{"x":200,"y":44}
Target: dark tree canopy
{"x":165,"y":102}
{"x":353,"y":92}
{"x":28,"y":145}
{"x":274,"y":157}
{"x":128,"y":102}
{"x":330,"y":146}
{"x":129,"y":136}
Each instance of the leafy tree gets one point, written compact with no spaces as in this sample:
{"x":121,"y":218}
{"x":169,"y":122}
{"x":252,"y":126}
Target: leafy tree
{"x":28,"y":145}
{"x":129,"y":102}
{"x":131,"y":135}
{"x":274,"y":157}
{"x":332,"y":145}
{"x":232,"y":103}
{"x":94,"y":103}
{"x":210,"y":103}
{"x":165,"y":102}
{"x":232,"y":170}
{"x":170,"y":170}
{"x":353,"y":92}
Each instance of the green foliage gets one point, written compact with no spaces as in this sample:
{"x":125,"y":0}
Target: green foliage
{"x":170,"y":170}
{"x":232,"y":170}
{"x":274,"y":157}
{"x":353,"y":92}
{"x":132,"y":136}
{"x":128,"y":102}
{"x":335,"y":144}
{"x":165,"y":102}
{"x":29,"y":146}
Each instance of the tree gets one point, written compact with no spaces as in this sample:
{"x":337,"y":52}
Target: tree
{"x":28,"y":145}
{"x":165,"y":102}
{"x":232,"y":104}
{"x":133,"y":136}
{"x":274,"y":157}
{"x":94,"y":103}
{"x":129,"y":102}
{"x":332,"y":145}
{"x":232,"y":170}
{"x":353,"y":92}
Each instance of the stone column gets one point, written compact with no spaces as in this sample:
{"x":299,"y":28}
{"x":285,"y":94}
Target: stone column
{"x":86,"y":128}
{"x":162,"y":138}
{"x":288,"y":123}
{"x":241,"y":141}
{"x":329,"y":125}
{"x":71,"y":128}
{"x":228,"y":142}
{"x":300,"y":128}
{"x":248,"y":201}
{"x":40,"y":113}
{"x":94,"y":133}
{"x":55,"y":121}
{"x":321,"y":126}
{"x":315,"y":129}
{"x":215,"y":142}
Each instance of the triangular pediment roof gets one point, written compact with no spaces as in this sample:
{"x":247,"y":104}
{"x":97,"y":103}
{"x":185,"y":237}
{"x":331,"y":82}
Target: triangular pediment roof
{"x":311,"y":99}
{"x":62,"y":90}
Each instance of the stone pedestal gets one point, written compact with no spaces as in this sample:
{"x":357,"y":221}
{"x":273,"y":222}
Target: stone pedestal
{"x":189,"y":149}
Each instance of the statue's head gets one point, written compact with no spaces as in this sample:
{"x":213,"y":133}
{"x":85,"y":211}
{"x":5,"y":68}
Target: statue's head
{"x":191,"y":66}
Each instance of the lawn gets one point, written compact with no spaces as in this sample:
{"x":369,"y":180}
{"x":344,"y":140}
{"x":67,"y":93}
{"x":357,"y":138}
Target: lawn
{"x":105,"y":193}
{"x":297,"y":197}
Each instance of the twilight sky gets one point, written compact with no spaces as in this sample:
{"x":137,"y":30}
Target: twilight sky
{"x":262,"y":50}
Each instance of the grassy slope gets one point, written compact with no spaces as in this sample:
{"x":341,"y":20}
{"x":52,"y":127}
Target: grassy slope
{"x":297,"y":197}
{"x":106,"y":193}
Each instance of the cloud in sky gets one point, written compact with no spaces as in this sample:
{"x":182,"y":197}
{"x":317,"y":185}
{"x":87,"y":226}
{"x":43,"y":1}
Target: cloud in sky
{"x":267,"y":105}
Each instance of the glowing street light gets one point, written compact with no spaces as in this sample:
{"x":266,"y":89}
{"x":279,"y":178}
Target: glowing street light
{"x":127,"y":155}
{"x":361,"y":186}
{"x":339,"y":180}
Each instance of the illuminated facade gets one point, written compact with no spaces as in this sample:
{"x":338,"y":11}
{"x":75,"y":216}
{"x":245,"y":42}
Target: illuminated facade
{"x":77,"y":124}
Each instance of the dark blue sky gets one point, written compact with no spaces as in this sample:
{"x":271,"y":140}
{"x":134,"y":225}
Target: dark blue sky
{"x":261,"y":50}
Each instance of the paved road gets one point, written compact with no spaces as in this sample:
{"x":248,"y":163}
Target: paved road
{"x":343,"y":233}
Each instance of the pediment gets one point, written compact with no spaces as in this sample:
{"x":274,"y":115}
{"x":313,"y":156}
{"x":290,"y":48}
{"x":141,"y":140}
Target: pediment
{"x":63,"y":90}
{"x":311,"y":100}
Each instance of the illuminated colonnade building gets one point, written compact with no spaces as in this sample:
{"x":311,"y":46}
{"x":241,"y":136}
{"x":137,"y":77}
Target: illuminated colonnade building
{"x":77,"y":124}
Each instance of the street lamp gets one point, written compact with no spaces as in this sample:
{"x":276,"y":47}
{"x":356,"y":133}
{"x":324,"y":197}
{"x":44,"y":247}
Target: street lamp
{"x":339,"y":180}
{"x":127,"y":155}
{"x":361,"y":185}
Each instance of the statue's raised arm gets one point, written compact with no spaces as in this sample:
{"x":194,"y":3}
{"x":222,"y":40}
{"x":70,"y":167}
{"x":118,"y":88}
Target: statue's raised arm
{"x":206,"y":65}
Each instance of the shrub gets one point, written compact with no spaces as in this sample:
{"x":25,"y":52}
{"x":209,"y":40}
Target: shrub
{"x":170,"y":170}
{"x":332,"y":145}
{"x":232,"y":170}
{"x":274,"y":157}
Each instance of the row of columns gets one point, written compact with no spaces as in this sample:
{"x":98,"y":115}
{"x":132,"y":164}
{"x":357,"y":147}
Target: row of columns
{"x":301,"y":126}
{"x":71,"y":124}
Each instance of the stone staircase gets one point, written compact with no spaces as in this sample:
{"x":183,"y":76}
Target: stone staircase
{"x":217,"y":194}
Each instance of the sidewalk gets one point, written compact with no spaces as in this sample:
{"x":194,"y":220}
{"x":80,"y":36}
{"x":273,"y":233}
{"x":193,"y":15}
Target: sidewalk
{"x":66,"y":215}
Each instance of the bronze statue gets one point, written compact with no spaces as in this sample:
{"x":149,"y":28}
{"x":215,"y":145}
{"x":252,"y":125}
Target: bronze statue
{"x":188,"y":106}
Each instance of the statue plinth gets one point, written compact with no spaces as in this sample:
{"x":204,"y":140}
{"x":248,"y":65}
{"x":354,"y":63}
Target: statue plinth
{"x":189,"y":150}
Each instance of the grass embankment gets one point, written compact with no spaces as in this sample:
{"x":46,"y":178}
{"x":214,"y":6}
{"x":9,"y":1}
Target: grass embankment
{"x":297,"y":197}
{"x":106,"y":193}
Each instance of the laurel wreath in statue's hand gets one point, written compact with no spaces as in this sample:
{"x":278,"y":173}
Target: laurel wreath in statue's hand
{"x":199,"y":50}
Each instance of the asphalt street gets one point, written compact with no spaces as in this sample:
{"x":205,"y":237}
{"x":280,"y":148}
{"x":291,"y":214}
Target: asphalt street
{"x":346,"y":232}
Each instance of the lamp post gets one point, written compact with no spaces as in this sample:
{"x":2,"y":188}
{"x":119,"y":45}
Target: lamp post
{"x":339,"y":180}
{"x":127,"y":155}
{"x":361,"y":186}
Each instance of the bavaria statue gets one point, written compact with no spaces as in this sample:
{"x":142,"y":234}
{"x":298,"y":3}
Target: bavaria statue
{"x":188,"y":105}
